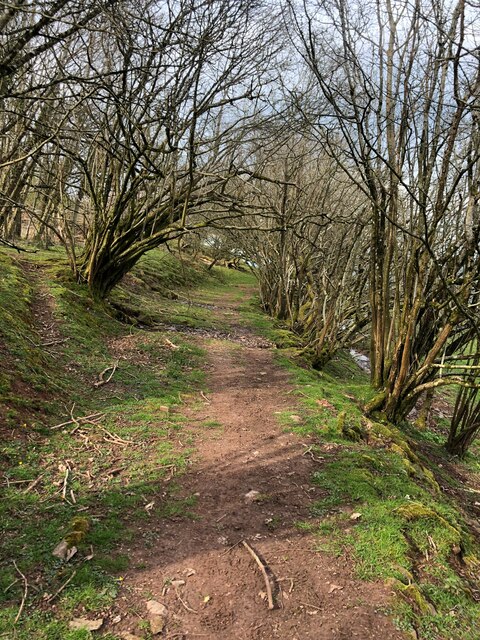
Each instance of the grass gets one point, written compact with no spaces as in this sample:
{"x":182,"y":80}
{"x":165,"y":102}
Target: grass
{"x":408,"y":533}
{"x":116,"y":465}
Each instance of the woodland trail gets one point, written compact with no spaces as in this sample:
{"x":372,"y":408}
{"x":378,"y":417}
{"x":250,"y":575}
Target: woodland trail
{"x":198,"y":567}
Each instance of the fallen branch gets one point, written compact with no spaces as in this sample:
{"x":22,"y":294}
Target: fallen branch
{"x":8,"y":482}
{"x":205,"y":397}
{"x":12,"y":245}
{"x":12,"y":584}
{"x":51,"y":343}
{"x":65,"y":483}
{"x":230,"y":548}
{"x":115,"y":438}
{"x":101,"y":381}
{"x":185,"y":605}
{"x":263,"y":569}
{"x":25,"y":592}
{"x":33,"y":484}
{"x":77,"y":420}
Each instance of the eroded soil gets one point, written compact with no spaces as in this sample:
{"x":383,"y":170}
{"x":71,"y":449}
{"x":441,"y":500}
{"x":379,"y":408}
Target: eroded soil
{"x":197,"y":565}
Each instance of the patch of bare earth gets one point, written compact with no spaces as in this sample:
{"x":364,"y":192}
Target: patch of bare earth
{"x":199,"y":568}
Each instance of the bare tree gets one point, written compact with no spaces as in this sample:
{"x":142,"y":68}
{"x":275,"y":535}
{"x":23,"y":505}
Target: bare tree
{"x":399,"y":84}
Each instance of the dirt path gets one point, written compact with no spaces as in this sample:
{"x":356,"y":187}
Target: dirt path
{"x":198,"y":567}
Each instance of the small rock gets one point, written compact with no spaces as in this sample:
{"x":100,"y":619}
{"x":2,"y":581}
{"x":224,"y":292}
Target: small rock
{"x":157,"y":608}
{"x":189,"y":572}
{"x":126,"y":635}
{"x":157,"y":624}
{"x":355,"y":516}
{"x":295,"y":418}
{"x":335,"y":587}
{"x":252,"y":496}
{"x":164,"y":409}
{"x":83,"y":623}
{"x":63,"y":551}
{"x":178,"y":583}
{"x":116,"y":619}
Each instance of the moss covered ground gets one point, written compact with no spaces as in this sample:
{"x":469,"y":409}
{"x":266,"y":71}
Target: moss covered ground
{"x":387,"y":504}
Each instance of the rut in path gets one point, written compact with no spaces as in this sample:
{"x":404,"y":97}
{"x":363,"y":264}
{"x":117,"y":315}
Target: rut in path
{"x":222,"y":593}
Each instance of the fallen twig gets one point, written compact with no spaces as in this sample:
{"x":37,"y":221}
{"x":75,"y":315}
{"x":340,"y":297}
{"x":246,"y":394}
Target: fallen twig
{"x":101,"y":381}
{"x":115,"y":438}
{"x":230,"y":548}
{"x":59,"y":591}
{"x":262,"y":568}
{"x":77,"y":420}
{"x":25,"y":592}
{"x":53,"y":342}
{"x":291,"y":583}
{"x":65,"y":484}
{"x":185,"y":605}
{"x":12,"y":584}
{"x":8,"y":482}
{"x":73,"y":417}
{"x":205,"y":397}
{"x":33,"y":484}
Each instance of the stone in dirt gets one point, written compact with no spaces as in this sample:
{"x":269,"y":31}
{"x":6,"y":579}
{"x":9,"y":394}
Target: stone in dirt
{"x":158,"y":613}
{"x":157,"y":624}
{"x":83,"y":623}
{"x":335,"y":587}
{"x":252,"y":496}
{"x":178,"y":583}
{"x":156,"y":608}
{"x":126,"y":635}
{"x":63,"y":551}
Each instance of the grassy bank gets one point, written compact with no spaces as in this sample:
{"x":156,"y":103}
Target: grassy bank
{"x":92,"y":482}
{"x":390,"y":502}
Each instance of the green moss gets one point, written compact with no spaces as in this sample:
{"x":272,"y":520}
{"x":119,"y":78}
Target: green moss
{"x":411,"y":592}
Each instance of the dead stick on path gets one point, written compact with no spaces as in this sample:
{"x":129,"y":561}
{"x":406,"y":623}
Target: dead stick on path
{"x":262,"y":568}
{"x":230,"y":548}
{"x":205,"y":397}
{"x":25,"y":592}
{"x":184,"y":603}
